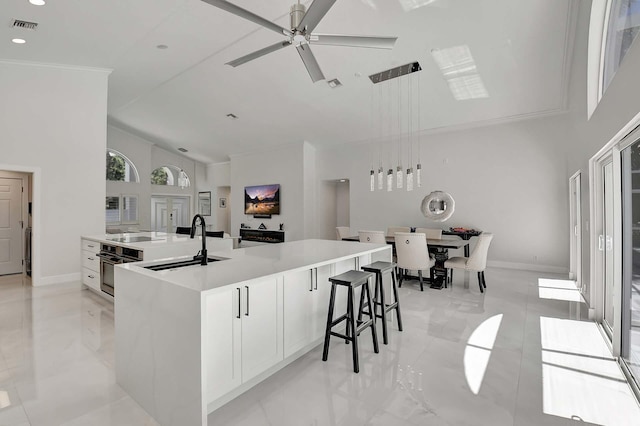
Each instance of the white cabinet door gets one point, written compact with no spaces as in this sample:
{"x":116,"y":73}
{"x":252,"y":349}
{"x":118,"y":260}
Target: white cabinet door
{"x":321,"y":294}
{"x":261,"y":326}
{"x":298,"y":304}
{"x":222,"y":351}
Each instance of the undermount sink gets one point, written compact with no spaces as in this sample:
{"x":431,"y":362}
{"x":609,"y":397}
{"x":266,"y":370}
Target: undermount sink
{"x":182,"y":263}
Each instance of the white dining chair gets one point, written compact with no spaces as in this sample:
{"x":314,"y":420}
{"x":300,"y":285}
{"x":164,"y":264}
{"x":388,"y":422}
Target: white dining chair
{"x":431,"y":233}
{"x":342,"y":232}
{"x":476,"y":262}
{"x":375,"y":237}
{"x":391,"y":231}
{"x":412,"y":254}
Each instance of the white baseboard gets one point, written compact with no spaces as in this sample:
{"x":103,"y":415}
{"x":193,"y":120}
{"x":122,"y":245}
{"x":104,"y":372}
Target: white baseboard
{"x":57,"y":279}
{"x":528,"y":267}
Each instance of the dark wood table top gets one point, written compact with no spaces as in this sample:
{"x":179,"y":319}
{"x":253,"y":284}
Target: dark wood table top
{"x":448,"y":243}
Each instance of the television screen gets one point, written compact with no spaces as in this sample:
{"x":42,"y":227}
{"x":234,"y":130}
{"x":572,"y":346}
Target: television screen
{"x":263,"y":199}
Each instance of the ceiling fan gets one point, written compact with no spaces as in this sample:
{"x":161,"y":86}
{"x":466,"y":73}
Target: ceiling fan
{"x":300,"y":35}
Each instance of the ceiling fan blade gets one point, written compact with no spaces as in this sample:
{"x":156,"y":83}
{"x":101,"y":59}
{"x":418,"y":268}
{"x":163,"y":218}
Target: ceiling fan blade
{"x":315,"y":13}
{"x":258,"y":53}
{"x":310,"y":62}
{"x":354,"y":41}
{"x":243,"y":13}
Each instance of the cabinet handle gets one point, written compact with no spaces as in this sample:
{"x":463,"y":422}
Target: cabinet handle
{"x":90,"y":246}
{"x":247,"y":287}
{"x":238,"y":302}
{"x":311,"y":283}
{"x":91,"y":276}
{"x":316,"y":287}
{"x":90,"y":258}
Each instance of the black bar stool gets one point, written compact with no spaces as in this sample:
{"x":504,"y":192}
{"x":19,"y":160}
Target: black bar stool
{"x":351,"y":280}
{"x":380,"y":269}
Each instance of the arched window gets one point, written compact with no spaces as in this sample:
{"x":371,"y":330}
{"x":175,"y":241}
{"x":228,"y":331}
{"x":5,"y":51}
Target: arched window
{"x":120,"y":168}
{"x":171,"y":176}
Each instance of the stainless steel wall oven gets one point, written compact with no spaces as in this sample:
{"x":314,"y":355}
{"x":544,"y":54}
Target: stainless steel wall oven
{"x":111,"y":255}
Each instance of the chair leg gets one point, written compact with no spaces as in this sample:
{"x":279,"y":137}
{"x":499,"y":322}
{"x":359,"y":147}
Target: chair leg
{"x":400,"y":276}
{"x":484,"y":282}
{"x":420,"y":277}
{"x":451,"y":279}
{"x":372,"y":316}
{"x":351,"y":326}
{"x":397,"y":300}
{"x":327,"y":333}
{"x":480,"y":282}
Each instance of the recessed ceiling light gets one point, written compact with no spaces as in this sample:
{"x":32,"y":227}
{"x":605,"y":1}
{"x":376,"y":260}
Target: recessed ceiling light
{"x":342,"y":180}
{"x":37,"y":2}
{"x":232,"y":116}
{"x":162,"y":46}
{"x":183,"y":150}
{"x":18,"y":40}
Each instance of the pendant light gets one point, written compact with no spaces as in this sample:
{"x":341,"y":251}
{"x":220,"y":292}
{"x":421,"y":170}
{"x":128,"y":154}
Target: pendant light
{"x":380,"y":168}
{"x":399,"y":177}
{"x":419,"y":166}
{"x":410,"y":132}
{"x":372,"y":178}
{"x":390,"y":135}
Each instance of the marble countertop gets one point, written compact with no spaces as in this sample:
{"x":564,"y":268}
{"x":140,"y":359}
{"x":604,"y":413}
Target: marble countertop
{"x":256,"y":262}
{"x":129,"y":239}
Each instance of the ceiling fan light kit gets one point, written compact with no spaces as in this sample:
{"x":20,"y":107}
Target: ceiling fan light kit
{"x":302,"y":22}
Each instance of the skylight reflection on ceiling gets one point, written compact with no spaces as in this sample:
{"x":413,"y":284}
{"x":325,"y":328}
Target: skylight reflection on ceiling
{"x":580,"y":378}
{"x":408,"y":5}
{"x":478,"y":351}
{"x":558,"y":290}
{"x":459,"y":70}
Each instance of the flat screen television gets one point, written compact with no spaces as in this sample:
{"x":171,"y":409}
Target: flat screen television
{"x":263,"y":199}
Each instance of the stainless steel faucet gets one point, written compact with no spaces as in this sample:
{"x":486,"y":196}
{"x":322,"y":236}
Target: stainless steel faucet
{"x":203,"y":252}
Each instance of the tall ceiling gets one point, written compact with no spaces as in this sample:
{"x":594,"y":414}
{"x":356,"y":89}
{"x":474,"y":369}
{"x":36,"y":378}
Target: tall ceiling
{"x":180,"y":96}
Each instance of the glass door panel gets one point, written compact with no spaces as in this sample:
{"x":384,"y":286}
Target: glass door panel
{"x":606,"y":244}
{"x":630,"y":344}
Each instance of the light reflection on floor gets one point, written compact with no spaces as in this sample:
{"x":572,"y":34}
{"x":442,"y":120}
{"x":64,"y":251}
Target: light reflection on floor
{"x":478,"y":351}
{"x":558,"y":290}
{"x":581,"y":380}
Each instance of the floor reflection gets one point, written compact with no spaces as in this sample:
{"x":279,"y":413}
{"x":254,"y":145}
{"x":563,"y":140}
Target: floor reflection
{"x":581,"y":379}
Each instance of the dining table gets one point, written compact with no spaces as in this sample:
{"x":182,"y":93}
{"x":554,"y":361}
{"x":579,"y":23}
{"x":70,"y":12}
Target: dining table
{"x":440,"y":249}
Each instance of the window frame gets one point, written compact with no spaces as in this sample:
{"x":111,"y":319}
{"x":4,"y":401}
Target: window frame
{"x":121,"y":220}
{"x":127,"y":160}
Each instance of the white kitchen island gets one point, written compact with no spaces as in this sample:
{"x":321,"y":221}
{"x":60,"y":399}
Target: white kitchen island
{"x":189,"y":340}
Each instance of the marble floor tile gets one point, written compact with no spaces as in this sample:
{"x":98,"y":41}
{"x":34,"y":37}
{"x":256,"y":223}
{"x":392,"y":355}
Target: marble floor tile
{"x":509,"y":356}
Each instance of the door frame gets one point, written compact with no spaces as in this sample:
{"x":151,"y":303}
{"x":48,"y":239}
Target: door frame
{"x":187,"y":196}
{"x":575,"y":212}
{"x":612,"y":149}
{"x":36,"y":176}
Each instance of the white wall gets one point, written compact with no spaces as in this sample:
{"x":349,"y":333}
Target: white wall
{"x":222,"y":214}
{"x":508,"y":179}
{"x":147,"y":157}
{"x":283,"y":166}
{"x":53,"y":120}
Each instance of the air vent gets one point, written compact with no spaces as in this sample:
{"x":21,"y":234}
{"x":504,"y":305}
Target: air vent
{"x":183,"y":150}
{"x":395,"y":72}
{"x":334,"y":83}
{"x":17,"y":23}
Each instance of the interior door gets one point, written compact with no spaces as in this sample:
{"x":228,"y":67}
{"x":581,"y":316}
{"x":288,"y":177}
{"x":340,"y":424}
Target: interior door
{"x":10,"y":226}
{"x":605,"y":244}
